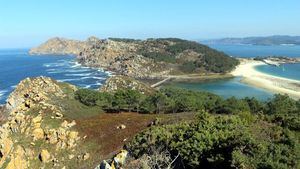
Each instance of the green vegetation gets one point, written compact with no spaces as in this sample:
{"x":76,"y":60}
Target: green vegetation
{"x":280,"y":109}
{"x":124,"y":40}
{"x":227,"y":133}
{"x":222,"y":141}
{"x":206,"y":58}
{"x":168,"y":100}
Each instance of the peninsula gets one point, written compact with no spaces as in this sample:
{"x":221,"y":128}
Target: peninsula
{"x":143,"y":59}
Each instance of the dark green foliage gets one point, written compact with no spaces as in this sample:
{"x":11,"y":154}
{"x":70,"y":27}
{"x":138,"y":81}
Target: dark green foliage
{"x":87,"y":97}
{"x":209,"y":59}
{"x":220,"y":142}
{"x":232,"y":106}
{"x":124,"y":40}
{"x":255,"y":105}
{"x":282,"y":104}
{"x":159,"y":57}
{"x":168,"y":100}
{"x":281,"y":109}
{"x":284,"y":111}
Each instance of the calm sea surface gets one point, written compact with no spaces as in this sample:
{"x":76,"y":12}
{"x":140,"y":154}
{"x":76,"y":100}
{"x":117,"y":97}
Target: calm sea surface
{"x":16,"y":64}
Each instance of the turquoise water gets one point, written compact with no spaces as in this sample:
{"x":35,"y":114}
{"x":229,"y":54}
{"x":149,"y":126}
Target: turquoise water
{"x":228,"y":88}
{"x":290,"y":71}
{"x":233,"y":87}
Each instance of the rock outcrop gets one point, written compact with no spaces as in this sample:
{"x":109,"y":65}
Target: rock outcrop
{"x":32,"y":135}
{"x":116,"y":163}
{"x":59,"y":46}
{"x":33,"y":91}
{"x":115,"y":83}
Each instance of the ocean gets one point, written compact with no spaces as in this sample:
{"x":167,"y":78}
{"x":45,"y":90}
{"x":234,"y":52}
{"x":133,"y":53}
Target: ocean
{"x":16,"y":65}
{"x":257,"y":50}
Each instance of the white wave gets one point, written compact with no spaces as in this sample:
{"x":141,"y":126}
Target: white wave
{"x":76,"y":64}
{"x":51,"y":70}
{"x":55,"y":64}
{"x":98,"y":78}
{"x":55,"y":72}
{"x":68,"y":80}
{"x":13,"y":87}
{"x":82,"y":78}
{"x":79,"y":74}
{"x":87,"y":86}
{"x":76,"y":70}
{"x":2,"y":92}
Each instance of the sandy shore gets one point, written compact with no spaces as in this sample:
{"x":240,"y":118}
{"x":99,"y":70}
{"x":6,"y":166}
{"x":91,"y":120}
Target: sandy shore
{"x":271,"y":83}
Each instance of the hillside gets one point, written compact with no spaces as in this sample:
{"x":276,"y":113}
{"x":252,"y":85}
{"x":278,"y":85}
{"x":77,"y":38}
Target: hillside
{"x":149,"y":58}
{"x":269,"y":40}
{"x":49,"y":124}
{"x":59,"y":46}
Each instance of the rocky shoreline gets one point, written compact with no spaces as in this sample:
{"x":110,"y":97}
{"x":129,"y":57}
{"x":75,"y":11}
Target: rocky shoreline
{"x":142,"y":59}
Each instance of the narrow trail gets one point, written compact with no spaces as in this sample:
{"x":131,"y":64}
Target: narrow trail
{"x":161,"y":82}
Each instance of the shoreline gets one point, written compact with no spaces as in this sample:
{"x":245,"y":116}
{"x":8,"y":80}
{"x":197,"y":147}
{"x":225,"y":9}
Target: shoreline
{"x":274,"y":84}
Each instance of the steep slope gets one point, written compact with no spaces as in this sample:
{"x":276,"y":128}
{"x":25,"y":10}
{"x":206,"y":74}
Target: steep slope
{"x":36,"y":133}
{"x":59,"y":46}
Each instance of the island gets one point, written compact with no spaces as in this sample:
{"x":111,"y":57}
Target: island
{"x":266,"y":41}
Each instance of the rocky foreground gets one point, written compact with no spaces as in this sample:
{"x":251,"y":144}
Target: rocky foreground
{"x":38,"y":130}
{"x":151,"y":58}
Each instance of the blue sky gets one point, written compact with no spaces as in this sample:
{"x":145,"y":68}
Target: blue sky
{"x":26,"y":23}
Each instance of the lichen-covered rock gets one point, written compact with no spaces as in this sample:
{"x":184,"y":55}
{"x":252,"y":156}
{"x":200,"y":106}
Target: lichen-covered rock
{"x":45,"y":156}
{"x":117,"y":162}
{"x":115,"y":83}
{"x":33,"y":91}
{"x":18,"y":159}
{"x":38,"y":134}
{"x":29,"y":135}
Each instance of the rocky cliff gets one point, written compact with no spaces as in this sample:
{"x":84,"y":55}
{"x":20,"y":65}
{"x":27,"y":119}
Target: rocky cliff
{"x":59,"y":46}
{"x":36,"y":134}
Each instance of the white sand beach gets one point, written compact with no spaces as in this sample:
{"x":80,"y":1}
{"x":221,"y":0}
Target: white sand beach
{"x":274,"y":84}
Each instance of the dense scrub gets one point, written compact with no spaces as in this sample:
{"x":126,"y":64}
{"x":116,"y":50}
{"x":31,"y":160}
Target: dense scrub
{"x":208,"y":59}
{"x":227,"y":133}
{"x":222,"y":141}
{"x":280,"y":109}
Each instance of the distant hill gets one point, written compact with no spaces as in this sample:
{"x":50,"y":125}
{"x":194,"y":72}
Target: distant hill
{"x":268,"y":40}
{"x":142,"y":58}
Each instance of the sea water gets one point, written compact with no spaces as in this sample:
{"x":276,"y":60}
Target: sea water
{"x":16,"y":65}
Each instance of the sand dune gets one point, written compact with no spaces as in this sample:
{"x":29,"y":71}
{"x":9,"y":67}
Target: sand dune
{"x":269,"y":82}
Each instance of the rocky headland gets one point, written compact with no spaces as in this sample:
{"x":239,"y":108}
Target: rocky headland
{"x":143,"y":59}
{"x":59,"y":46}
